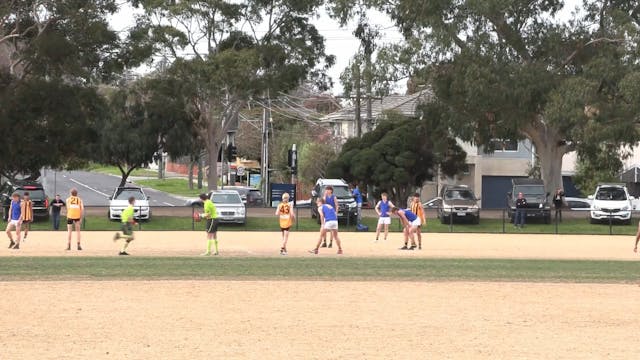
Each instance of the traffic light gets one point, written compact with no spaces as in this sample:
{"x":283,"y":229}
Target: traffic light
{"x":292,"y":160}
{"x":232,"y":153}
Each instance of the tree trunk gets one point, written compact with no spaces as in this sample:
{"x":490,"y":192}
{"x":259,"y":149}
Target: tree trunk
{"x":214,"y":142}
{"x":550,"y":148}
{"x":125,"y":174}
{"x":192,"y":165}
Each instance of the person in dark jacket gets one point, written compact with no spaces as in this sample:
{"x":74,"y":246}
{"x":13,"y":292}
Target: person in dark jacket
{"x":558,"y":201}
{"x":521,"y":211}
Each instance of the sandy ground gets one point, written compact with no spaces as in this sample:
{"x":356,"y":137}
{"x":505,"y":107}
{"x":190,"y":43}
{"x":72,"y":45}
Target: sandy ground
{"x":321,"y":319}
{"x":167,"y":243}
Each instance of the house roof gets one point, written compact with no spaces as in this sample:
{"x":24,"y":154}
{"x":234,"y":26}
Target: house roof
{"x":406,"y":105}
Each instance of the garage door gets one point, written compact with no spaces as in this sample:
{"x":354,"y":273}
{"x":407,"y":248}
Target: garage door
{"x":494,"y":191}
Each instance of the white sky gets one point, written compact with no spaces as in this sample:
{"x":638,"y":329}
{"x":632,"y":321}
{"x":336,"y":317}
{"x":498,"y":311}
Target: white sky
{"x":339,"y":41}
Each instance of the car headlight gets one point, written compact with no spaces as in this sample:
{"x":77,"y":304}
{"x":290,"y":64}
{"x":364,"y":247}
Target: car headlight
{"x":541,"y":206}
{"x":596,"y":208}
{"x":145,"y":209}
{"x":241,"y":211}
{"x":353,"y":205}
{"x":626,"y":208}
{"x":473,"y":207}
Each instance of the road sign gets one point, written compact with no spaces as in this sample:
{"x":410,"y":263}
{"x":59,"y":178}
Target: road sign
{"x":240,"y":171}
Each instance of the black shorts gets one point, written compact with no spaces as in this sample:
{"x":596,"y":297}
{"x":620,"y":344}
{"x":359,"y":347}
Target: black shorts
{"x":72,"y":221}
{"x":127,"y":228}
{"x":285,"y":229}
{"x":212,"y":226}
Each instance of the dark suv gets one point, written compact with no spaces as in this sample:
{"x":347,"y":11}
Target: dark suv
{"x":348,"y":210}
{"x":534,"y":193}
{"x":36,"y":194}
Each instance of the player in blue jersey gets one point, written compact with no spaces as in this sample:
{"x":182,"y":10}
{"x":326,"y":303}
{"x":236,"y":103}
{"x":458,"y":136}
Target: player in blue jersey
{"x":411,"y":222}
{"x":332,"y":201}
{"x":383,"y":208}
{"x":328,"y":223}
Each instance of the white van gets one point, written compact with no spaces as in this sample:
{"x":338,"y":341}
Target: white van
{"x":611,"y":201}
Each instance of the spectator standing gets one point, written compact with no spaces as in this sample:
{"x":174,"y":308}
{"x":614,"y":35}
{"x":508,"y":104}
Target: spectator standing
{"x":358,"y":196}
{"x":521,"y":211}
{"x":56,"y":209}
{"x":558,"y":202}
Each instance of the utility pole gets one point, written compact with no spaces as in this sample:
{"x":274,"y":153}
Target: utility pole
{"x":368,"y":78}
{"x":264,"y":161}
{"x":356,"y":72}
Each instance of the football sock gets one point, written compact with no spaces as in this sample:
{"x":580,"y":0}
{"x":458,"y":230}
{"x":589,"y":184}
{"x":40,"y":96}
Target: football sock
{"x":216,"y":243}
{"x":209,"y":242}
{"x":124,"y":246}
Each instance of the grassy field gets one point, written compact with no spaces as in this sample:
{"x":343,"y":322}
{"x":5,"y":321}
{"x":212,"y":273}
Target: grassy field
{"x":113,"y":170}
{"x":344,"y":269}
{"x":176,"y":186}
{"x":184,"y":222}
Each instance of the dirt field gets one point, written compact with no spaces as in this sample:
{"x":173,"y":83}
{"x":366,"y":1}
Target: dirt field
{"x":321,"y":320}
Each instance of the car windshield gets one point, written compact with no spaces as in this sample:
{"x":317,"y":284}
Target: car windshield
{"x":37,"y":194}
{"x":529,"y":190}
{"x":255,"y":194}
{"x":458,"y":195}
{"x":241,"y":191}
{"x":611,"y":193}
{"x":226,"y":199}
{"x":341,"y":191}
{"x":125,"y":194}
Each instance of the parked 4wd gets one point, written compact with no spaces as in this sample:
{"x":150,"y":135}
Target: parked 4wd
{"x":611,"y":201}
{"x":459,"y":202}
{"x":537,"y":199}
{"x":348,"y":209}
{"x":36,"y":193}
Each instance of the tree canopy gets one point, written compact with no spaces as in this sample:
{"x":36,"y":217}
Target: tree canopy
{"x":227,"y":59}
{"x":516,"y":69}
{"x":52,"y":54}
{"x":399,"y":155}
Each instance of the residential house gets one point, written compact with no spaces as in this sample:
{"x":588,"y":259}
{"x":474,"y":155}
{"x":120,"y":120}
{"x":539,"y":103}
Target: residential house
{"x":489,"y":175}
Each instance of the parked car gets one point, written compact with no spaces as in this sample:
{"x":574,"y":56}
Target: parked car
{"x":228,"y":204}
{"x":36,"y":194}
{"x":458,"y":202}
{"x":611,"y":201}
{"x":120,"y":201}
{"x":251,"y":197}
{"x":348,"y":209}
{"x":579,"y":204}
{"x":537,"y":199}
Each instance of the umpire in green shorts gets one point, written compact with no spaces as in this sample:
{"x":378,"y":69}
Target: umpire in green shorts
{"x":127,"y":226}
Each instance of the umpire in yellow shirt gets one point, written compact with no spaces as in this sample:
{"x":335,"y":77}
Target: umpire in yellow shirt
{"x":211,"y":215}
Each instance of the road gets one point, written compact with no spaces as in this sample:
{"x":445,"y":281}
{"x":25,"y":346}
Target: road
{"x":95,"y":188}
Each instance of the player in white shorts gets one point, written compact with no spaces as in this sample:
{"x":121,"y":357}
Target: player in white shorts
{"x":329,"y":223}
{"x":384,"y":220}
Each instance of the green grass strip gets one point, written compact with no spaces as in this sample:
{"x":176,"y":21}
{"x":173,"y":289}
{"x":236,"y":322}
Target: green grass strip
{"x":183,"y":222}
{"x":317,"y":268}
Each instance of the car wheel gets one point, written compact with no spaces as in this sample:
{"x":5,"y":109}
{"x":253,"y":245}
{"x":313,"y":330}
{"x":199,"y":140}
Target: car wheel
{"x":627,"y":222}
{"x":593,"y":221}
{"x":443,"y":220}
{"x":476,"y":220}
{"x":547,"y":219}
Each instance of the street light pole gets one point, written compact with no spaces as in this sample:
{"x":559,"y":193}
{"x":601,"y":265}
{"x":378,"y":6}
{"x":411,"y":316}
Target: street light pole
{"x":266,"y":117}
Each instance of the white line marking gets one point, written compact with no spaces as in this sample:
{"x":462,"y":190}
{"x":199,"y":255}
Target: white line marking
{"x":90,"y":188}
{"x":166,"y":203}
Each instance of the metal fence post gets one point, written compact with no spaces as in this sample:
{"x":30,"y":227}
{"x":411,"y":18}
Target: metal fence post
{"x":556,"y":221}
{"x":610,"y":223}
{"x":451,"y":221}
{"x":297,"y":211}
{"x":504,"y":230}
{"x":193,"y":220}
{"x":139,"y":217}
